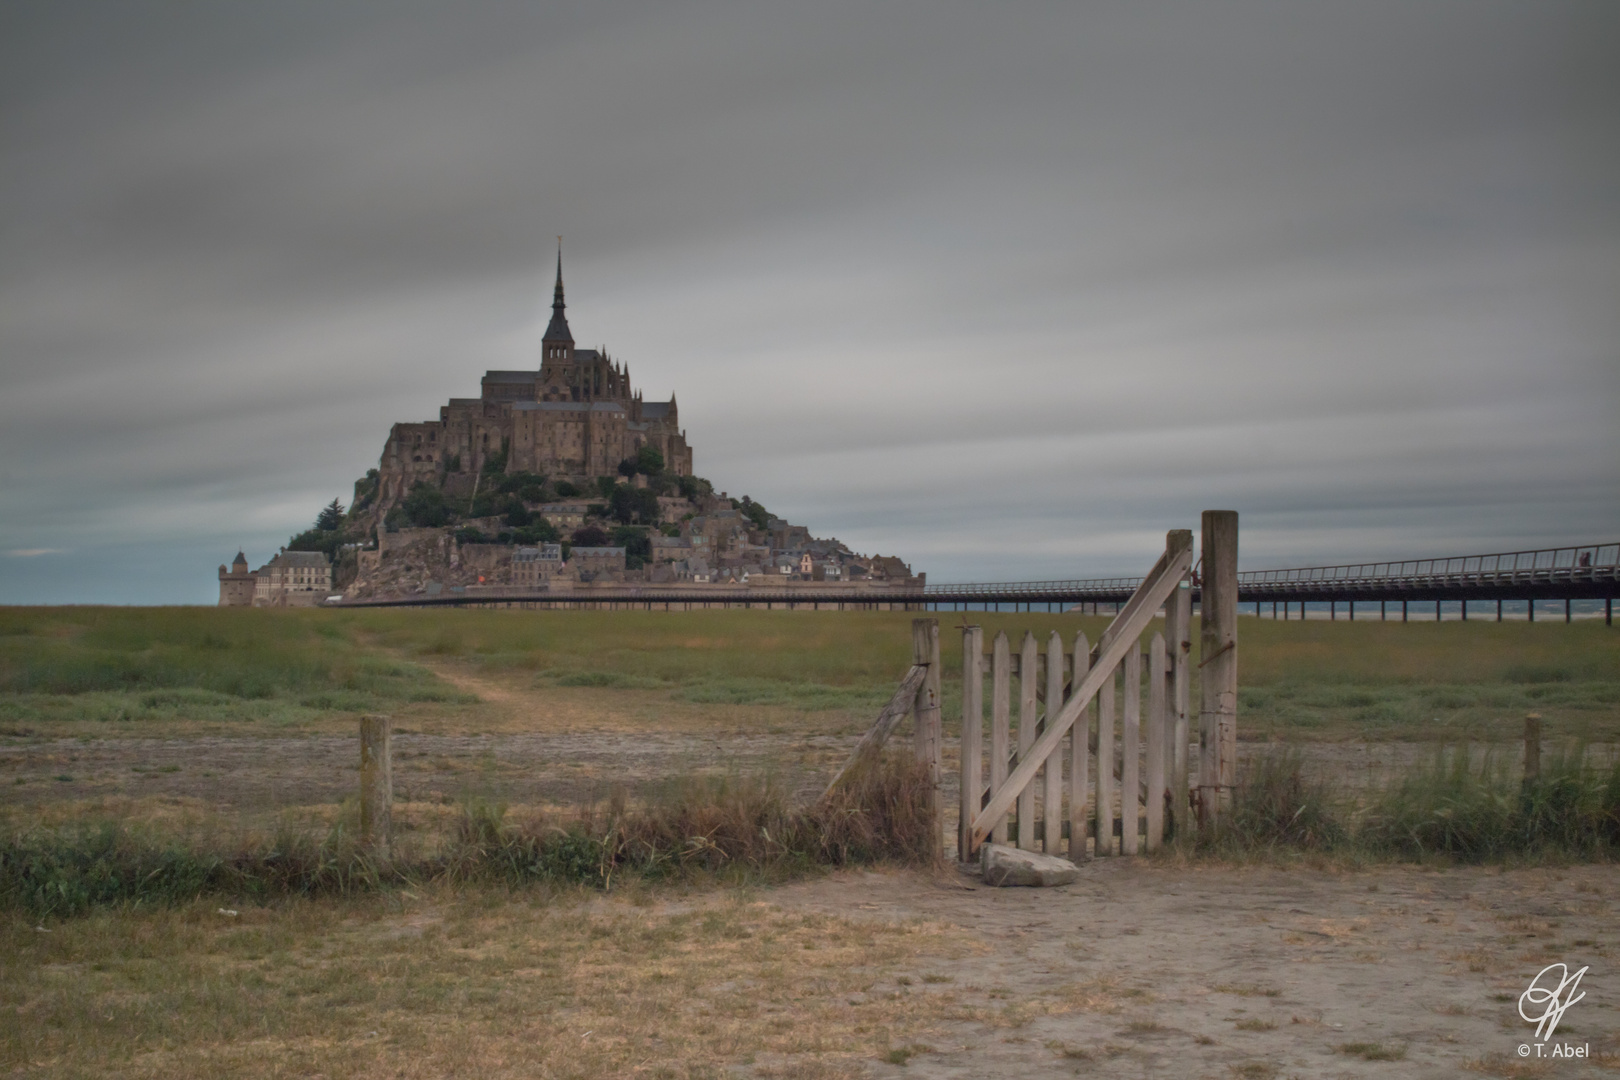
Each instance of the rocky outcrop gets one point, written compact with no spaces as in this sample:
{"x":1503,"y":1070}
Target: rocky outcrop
{"x":406,"y":562}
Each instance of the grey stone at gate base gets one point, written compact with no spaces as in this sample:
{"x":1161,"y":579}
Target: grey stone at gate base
{"x":1002,"y":865}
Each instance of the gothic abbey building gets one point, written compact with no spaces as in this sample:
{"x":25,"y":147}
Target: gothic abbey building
{"x":574,"y":419}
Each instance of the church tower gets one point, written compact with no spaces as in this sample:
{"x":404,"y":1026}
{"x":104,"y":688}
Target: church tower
{"x":558,"y":344}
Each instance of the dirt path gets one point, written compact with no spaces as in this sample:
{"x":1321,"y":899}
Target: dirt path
{"x":1143,"y":970}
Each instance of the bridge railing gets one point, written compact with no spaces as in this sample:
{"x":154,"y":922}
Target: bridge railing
{"x":1590,"y":562}
{"x":1021,"y":588}
{"x":1581,"y":563}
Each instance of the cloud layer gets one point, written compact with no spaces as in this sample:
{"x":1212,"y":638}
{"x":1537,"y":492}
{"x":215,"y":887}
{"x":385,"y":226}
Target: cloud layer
{"x":1008,"y":292}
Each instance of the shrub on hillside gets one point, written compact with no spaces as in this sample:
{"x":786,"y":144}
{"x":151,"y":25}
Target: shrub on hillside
{"x":694,"y":487}
{"x":425,"y":507}
{"x":589,"y":536}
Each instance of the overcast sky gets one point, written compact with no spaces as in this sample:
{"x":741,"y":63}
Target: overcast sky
{"x":1007,"y":290}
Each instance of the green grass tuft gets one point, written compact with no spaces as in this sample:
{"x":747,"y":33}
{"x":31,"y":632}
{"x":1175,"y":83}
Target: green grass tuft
{"x":1462,"y":805}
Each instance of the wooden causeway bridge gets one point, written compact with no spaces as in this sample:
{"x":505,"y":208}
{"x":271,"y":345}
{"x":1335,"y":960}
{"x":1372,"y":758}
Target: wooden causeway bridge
{"x":1582,"y":572}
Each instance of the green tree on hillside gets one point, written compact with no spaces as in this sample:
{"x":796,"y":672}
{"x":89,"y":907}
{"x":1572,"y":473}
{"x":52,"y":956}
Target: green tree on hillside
{"x":330,"y":517}
{"x":694,"y":487}
{"x":365,"y":490}
{"x":425,"y":507}
{"x":649,"y":460}
{"x":637,"y":547}
{"x":589,"y":536}
{"x":628,"y":504}
{"x":754,"y":512}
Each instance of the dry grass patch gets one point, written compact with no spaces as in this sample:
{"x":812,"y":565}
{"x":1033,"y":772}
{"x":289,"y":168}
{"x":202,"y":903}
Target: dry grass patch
{"x":425,"y":985}
{"x":1246,"y":990}
{"x":1255,"y":1070}
{"x":1372,"y":1051}
{"x":1509,"y":1068}
{"x":1104,"y":995}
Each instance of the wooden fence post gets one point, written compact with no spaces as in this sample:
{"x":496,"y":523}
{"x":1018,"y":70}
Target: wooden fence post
{"x":376,"y":783}
{"x":1105,"y":764}
{"x":972,"y":734}
{"x":1052,"y":775}
{"x":1130,"y":754}
{"x":1028,"y":681}
{"x":1079,"y":756}
{"x":1178,"y":641}
{"x":1217,"y":711}
{"x":928,"y":733}
{"x":1158,"y":727}
{"x":1000,"y":690}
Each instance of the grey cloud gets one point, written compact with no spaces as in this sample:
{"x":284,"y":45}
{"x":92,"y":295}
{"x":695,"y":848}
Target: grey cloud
{"x":1007,"y":290}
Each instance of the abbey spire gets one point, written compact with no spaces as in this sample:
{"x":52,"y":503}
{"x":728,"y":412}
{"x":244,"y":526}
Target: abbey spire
{"x":558,"y":342}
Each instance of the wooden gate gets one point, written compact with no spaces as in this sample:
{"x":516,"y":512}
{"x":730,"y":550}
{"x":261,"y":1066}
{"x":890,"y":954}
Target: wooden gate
{"x":1084,"y":705}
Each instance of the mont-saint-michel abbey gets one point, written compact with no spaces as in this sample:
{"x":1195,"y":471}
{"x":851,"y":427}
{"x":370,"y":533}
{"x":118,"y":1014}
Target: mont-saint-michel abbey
{"x":553,"y":479}
{"x":574,"y":419}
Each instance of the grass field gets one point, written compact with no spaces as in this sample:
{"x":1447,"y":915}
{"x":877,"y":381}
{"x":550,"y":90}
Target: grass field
{"x":153,"y":671}
{"x":202,"y":732}
{"x":439,"y":983}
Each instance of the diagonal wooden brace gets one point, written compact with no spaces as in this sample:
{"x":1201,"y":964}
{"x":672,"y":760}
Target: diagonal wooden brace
{"x":889,"y":719}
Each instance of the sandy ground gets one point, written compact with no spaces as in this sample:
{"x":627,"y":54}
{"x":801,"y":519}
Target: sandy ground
{"x":1153,"y":970}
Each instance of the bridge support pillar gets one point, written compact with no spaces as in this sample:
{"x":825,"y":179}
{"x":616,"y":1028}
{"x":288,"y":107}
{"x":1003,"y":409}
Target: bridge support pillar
{"x":1403,"y":611}
{"x":1465,"y":611}
{"x":1383,"y":610}
{"x":1437,"y":611}
{"x":1530,"y":609}
{"x":1499,"y":611}
{"x":1608,"y":611}
{"x":1333,"y":611}
{"x":1569,"y":610}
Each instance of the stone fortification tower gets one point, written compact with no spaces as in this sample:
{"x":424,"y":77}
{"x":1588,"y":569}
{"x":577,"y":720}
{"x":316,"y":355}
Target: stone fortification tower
{"x":236,"y":584}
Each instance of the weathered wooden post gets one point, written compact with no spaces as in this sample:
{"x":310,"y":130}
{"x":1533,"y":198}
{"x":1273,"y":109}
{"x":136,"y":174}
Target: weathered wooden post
{"x":1130,"y":752}
{"x":1105,"y":762}
{"x":376,"y":783}
{"x":1027,"y":683}
{"x":1532,"y":747}
{"x":1158,"y":733}
{"x":1052,"y":775}
{"x":1000,"y":688}
{"x":928,"y":735}
{"x":1217,"y":676}
{"x":972,"y":734}
{"x":1178,"y":642}
{"x":1079,"y":756}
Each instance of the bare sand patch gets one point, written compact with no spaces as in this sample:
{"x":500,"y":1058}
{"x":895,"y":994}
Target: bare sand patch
{"x":1147,"y":969}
